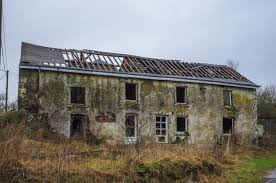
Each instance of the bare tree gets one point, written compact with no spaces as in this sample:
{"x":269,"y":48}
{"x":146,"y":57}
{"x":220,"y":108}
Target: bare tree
{"x":233,"y":64}
{"x":11,"y":105}
{"x":266,"y":97}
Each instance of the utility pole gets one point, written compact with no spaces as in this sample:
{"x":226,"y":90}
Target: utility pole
{"x":7,"y":72}
{"x":7,"y":90}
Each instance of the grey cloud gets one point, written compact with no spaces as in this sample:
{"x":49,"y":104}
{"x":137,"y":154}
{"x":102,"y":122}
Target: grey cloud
{"x":199,"y":31}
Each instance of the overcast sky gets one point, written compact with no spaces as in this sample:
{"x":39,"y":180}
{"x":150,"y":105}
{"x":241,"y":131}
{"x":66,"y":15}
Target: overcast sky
{"x":209,"y":31}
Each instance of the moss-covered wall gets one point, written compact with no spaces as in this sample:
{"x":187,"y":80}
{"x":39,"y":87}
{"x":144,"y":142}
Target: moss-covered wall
{"x":105,"y":105}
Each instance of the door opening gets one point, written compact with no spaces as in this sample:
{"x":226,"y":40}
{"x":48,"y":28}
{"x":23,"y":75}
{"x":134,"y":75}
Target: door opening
{"x":130,"y":129}
{"x":161,"y":129}
{"x":76,"y":128}
{"x":228,"y":126}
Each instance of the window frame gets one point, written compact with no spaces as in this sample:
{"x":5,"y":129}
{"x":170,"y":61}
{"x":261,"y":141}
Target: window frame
{"x":134,"y":126}
{"x":186,"y":125}
{"x":233,"y":126}
{"x":136,"y":92}
{"x":84,"y":95}
{"x":185,"y":94}
{"x":230,"y":98}
{"x":160,"y":122}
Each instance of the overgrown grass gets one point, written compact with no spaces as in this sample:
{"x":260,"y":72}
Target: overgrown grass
{"x":251,"y":168}
{"x":40,"y":159}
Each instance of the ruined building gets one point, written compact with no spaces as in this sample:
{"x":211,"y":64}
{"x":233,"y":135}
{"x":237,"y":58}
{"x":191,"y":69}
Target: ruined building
{"x":125,"y":98}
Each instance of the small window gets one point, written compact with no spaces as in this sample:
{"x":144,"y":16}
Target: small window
{"x":227,"y":98}
{"x":180,"y":95}
{"x":77,"y":95}
{"x":130,"y":125}
{"x":228,"y":126}
{"x":181,"y":125}
{"x":131,"y":93}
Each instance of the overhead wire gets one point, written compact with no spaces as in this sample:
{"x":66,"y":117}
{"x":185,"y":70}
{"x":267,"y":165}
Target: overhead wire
{"x":3,"y":76}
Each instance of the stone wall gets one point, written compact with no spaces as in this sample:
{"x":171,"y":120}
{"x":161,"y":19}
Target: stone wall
{"x":105,"y":106}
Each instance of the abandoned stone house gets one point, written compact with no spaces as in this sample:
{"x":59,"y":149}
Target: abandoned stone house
{"x":125,"y":98}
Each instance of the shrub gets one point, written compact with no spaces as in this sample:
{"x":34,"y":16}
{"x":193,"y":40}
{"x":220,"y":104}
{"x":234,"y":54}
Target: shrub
{"x":267,"y":142}
{"x":15,"y":116}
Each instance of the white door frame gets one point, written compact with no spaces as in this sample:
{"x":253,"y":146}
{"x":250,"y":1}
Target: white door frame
{"x":161,"y":128}
{"x":131,"y":140}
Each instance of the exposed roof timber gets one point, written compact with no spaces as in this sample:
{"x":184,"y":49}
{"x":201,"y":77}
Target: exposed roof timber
{"x":97,"y":61}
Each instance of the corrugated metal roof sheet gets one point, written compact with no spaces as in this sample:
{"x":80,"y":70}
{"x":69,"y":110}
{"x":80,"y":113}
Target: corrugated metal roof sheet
{"x":90,"y":60}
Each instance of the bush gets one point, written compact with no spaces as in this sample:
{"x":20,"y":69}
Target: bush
{"x":267,"y":142}
{"x":15,"y":116}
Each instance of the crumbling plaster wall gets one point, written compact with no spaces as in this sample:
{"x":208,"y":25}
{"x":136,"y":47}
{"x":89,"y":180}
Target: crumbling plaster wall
{"x":105,"y":105}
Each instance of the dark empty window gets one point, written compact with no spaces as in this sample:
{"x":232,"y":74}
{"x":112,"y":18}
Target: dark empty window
{"x":130,"y":125}
{"x":181,"y":125}
{"x":77,"y":95}
{"x":228,"y":126}
{"x":180,"y":95}
{"x":131,"y":91}
{"x":227,"y":98}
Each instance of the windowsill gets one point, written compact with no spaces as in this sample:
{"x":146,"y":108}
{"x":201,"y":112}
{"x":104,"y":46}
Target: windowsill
{"x":228,"y":107}
{"x":181,"y":104}
{"x":133,"y":101}
{"x":227,"y":134}
{"x":76,"y":105}
{"x":182,"y":133}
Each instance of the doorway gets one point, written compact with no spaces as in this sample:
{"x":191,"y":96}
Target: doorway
{"x":76,"y":127}
{"x":161,"y":129}
{"x":130,"y":129}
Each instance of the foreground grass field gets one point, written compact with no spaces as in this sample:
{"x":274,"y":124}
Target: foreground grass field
{"x":251,"y":167}
{"x":56,"y":159}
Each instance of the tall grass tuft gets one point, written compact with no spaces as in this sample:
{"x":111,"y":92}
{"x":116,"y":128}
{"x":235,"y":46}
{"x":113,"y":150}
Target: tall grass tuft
{"x":11,"y":140}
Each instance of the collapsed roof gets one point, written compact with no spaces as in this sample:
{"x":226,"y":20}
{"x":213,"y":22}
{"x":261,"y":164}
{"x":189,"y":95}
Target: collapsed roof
{"x":130,"y":66}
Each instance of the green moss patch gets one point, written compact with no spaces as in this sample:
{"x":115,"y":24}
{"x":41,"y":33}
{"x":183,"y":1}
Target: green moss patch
{"x":176,"y":170}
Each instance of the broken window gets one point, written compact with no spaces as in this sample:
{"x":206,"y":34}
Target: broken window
{"x":76,"y":128}
{"x":180,"y":94}
{"x":77,"y":95}
{"x":181,"y":125}
{"x":228,"y":125}
{"x":131,"y":93}
{"x":227,"y":98}
{"x":130,"y":125}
